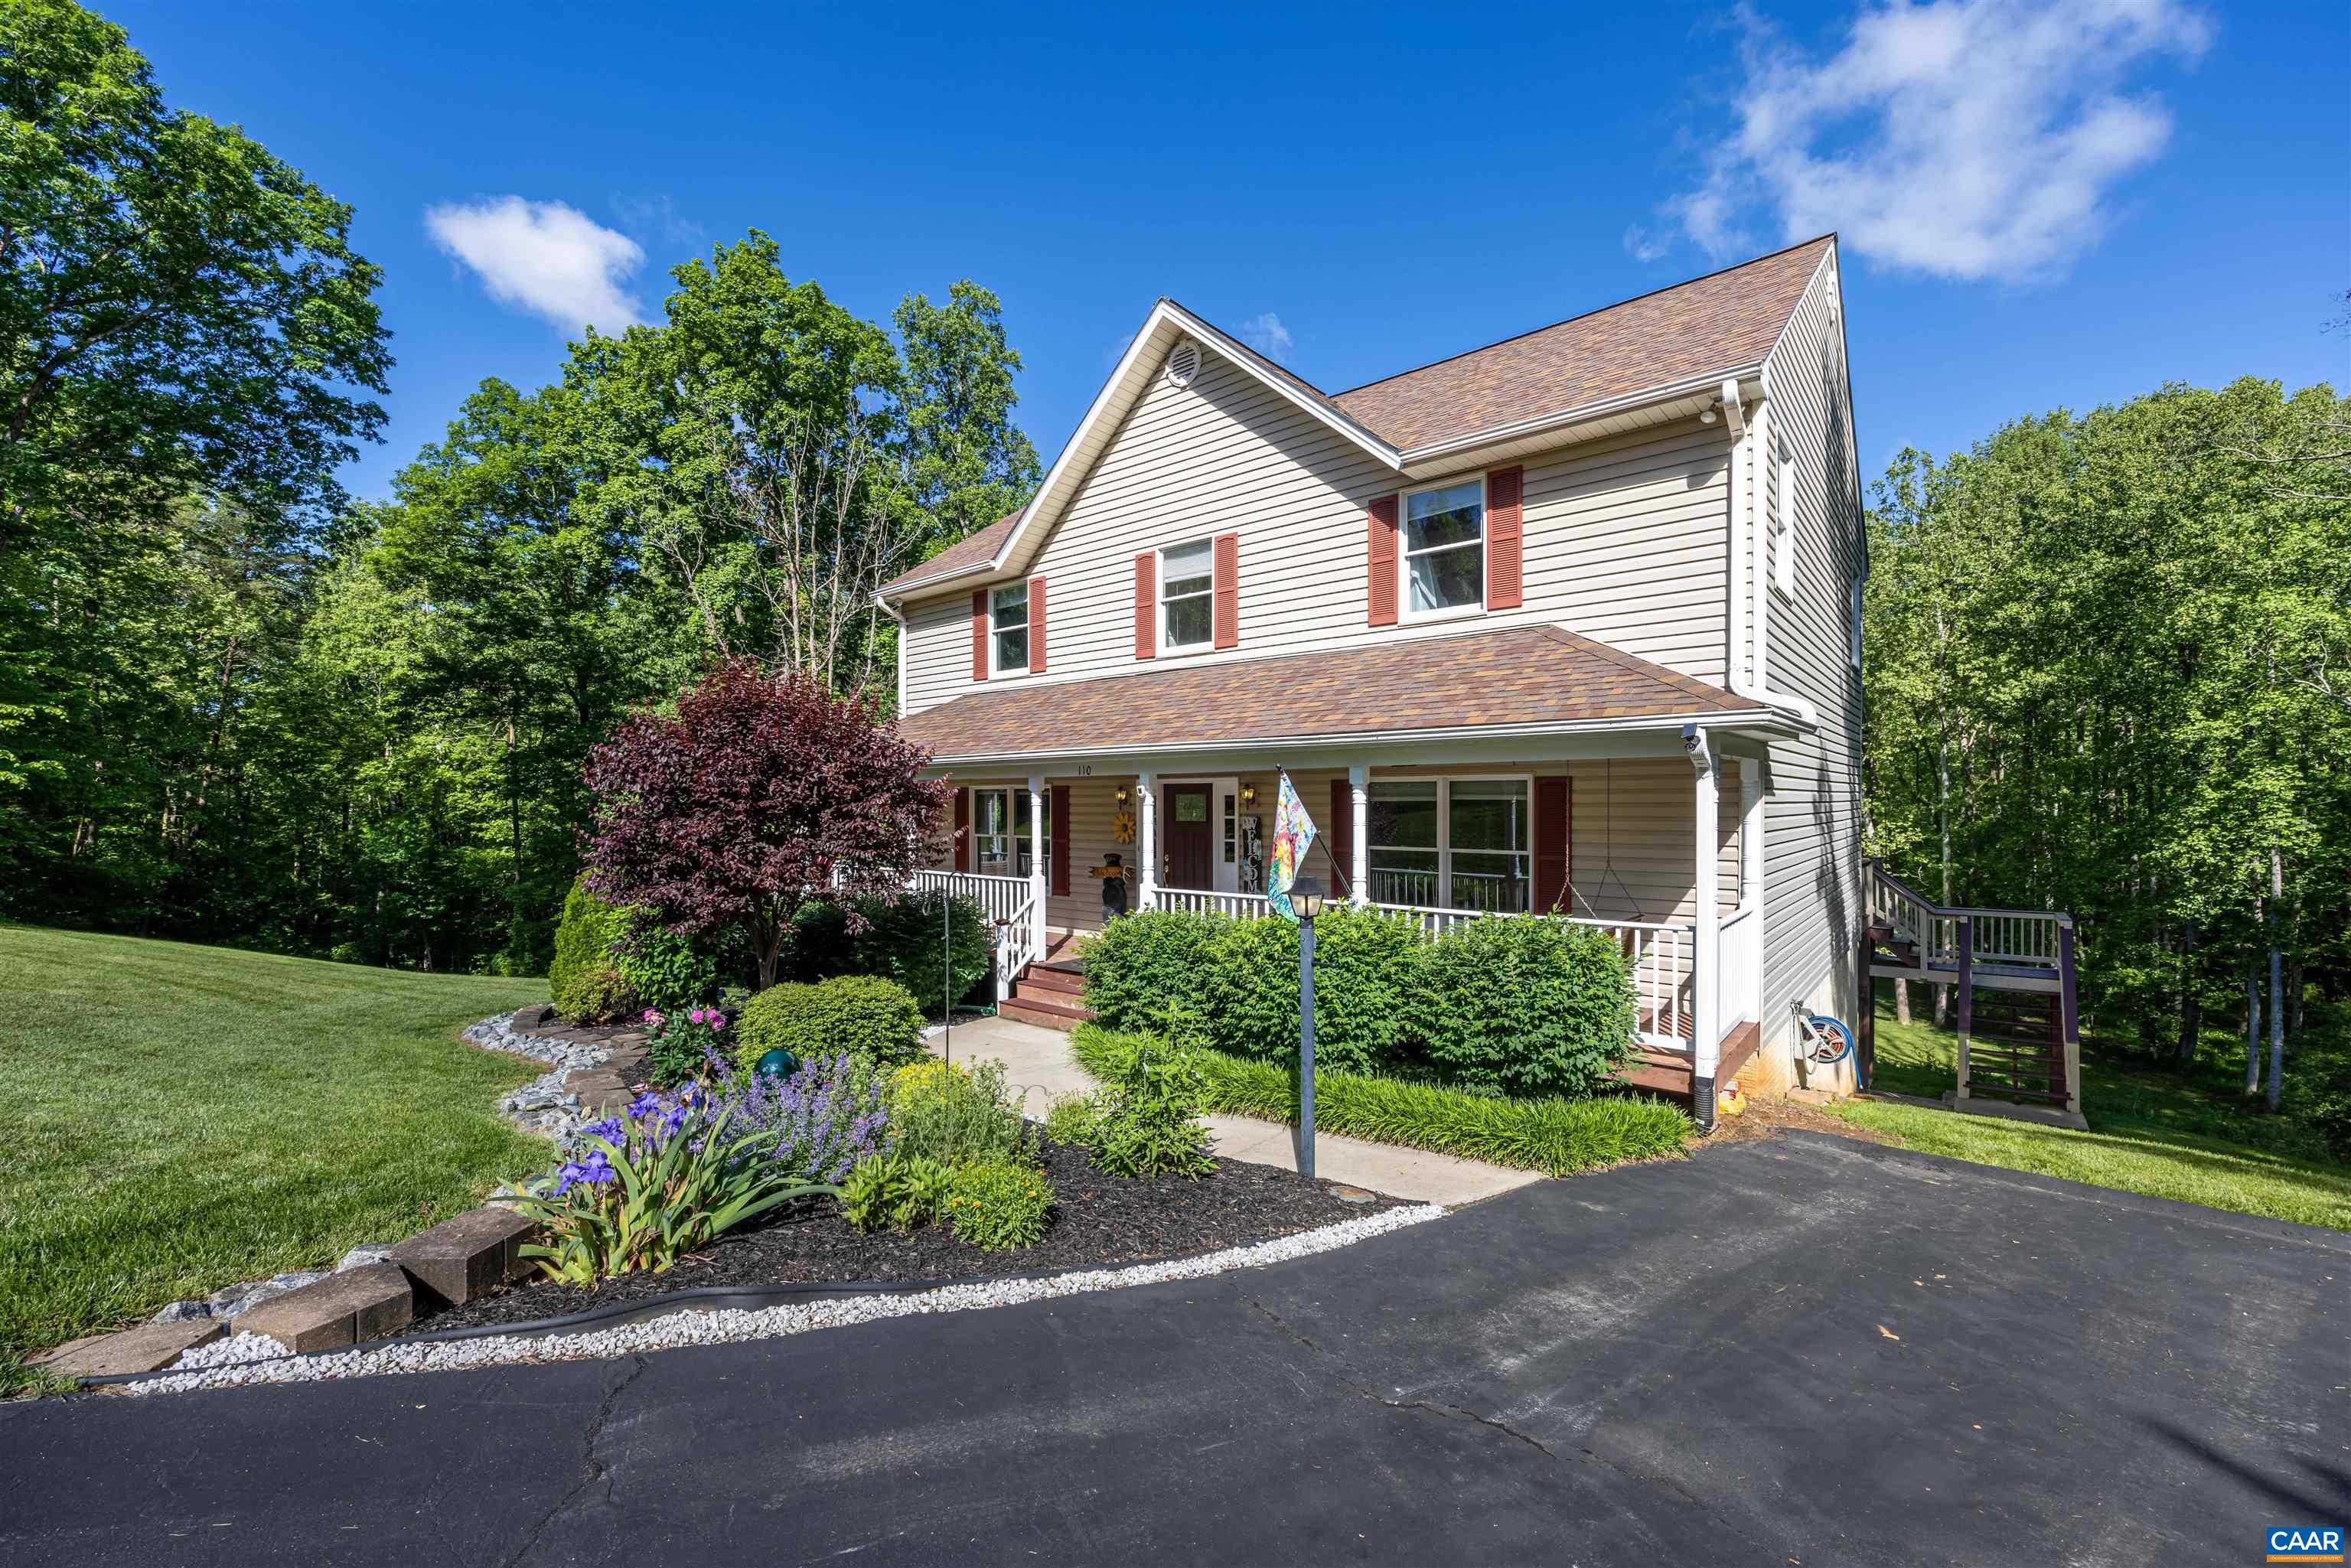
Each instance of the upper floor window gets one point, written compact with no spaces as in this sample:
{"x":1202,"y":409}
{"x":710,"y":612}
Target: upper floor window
{"x":1187,"y":591}
{"x":1444,"y":554}
{"x":1008,"y":610}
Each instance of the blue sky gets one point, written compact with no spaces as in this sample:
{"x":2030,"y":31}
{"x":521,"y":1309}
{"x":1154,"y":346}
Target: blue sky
{"x":2042,"y":204}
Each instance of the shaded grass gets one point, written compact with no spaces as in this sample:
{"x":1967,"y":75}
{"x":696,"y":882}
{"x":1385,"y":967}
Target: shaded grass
{"x":178,"y":1118}
{"x":1557,"y":1137}
{"x":2181,"y":1132}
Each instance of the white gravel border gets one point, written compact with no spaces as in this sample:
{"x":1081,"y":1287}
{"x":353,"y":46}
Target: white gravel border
{"x":692,"y":1327}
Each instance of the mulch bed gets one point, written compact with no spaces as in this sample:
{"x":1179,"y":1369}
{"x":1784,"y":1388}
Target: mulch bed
{"x":1098,"y":1220}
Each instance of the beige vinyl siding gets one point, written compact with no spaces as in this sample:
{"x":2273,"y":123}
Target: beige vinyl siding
{"x":1624,"y":540}
{"x":1812,"y":830}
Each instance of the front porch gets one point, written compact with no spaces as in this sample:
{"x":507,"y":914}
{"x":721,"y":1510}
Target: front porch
{"x":1609,"y":841}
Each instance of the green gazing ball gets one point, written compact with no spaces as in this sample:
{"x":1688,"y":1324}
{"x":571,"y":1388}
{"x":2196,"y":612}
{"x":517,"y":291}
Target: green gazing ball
{"x":778,"y":1063}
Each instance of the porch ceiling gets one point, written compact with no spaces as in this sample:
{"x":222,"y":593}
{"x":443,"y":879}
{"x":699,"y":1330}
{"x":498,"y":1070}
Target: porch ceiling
{"x":1521,"y":680}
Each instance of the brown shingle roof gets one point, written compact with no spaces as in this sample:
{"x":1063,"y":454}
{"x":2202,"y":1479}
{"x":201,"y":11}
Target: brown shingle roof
{"x":1522,"y":675}
{"x":1724,"y":320}
{"x":972,"y":549}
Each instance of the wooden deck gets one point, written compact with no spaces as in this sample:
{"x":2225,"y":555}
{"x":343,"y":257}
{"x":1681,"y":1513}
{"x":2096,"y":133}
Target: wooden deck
{"x":1667,"y":1073}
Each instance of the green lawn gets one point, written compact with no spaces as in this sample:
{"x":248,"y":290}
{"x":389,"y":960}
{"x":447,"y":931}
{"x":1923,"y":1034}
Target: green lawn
{"x":2181,"y":1132}
{"x":179,"y":1118}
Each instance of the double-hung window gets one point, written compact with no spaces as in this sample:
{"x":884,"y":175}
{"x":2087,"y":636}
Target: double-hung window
{"x":1187,"y":592}
{"x":1452,"y":843}
{"x":1008,"y":617}
{"x":1444,"y":554}
{"x":1000,"y":820}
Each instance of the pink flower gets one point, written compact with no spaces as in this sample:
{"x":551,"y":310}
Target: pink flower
{"x":718,"y":1020}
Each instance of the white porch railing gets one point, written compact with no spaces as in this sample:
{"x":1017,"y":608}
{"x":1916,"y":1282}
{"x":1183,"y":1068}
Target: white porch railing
{"x":1740,"y":942}
{"x":1194,"y":901}
{"x":1016,"y":938}
{"x":1435,"y":921}
{"x":998,"y":897}
{"x":1662,"y":958}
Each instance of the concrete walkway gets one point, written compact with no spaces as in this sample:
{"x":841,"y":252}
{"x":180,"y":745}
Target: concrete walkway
{"x":1040,"y":1068}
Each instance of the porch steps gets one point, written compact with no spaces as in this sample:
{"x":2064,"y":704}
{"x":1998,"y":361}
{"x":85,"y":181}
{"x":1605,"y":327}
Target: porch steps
{"x":1050,"y":992}
{"x":1667,"y":1073}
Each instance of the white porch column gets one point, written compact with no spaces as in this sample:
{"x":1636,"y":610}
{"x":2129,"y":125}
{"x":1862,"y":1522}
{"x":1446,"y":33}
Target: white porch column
{"x":1705,"y":962}
{"x":1147,"y":840}
{"x":1359,"y":835}
{"x":1038,"y":802}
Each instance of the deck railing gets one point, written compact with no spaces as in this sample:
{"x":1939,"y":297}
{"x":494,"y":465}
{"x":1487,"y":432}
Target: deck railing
{"x":2019,"y":938}
{"x":1195,"y":901}
{"x":998,"y":897}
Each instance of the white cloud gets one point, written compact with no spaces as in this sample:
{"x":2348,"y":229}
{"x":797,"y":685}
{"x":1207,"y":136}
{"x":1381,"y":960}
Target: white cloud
{"x":1267,"y":335}
{"x":1961,"y":139}
{"x":543,"y":256}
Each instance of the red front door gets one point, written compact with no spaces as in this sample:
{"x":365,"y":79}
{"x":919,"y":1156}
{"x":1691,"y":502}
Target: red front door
{"x":1191,"y":842}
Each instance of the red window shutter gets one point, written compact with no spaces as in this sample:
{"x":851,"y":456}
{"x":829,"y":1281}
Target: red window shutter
{"x":979,"y":633}
{"x":1382,"y":570}
{"x":962,"y":830}
{"x":1505,"y":535}
{"x":1554,"y":844}
{"x":1147,"y":605}
{"x":1228,"y":590}
{"x":1060,"y":851}
{"x":1341,"y":835}
{"x":1036,"y":625}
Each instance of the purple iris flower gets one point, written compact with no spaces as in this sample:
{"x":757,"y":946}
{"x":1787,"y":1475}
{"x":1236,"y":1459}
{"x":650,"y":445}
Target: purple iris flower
{"x":643,"y":1104}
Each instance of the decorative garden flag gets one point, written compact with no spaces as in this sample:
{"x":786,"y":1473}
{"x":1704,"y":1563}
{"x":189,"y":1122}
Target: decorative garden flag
{"x":1294,"y":835}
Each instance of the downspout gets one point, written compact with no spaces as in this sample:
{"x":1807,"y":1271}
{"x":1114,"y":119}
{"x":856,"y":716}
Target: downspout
{"x":1750,"y":562}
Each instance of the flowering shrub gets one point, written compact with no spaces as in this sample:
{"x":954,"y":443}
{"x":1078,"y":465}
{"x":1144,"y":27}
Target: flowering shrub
{"x":679,"y":1043}
{"x":815,"y":1125}
{"x":930,"y":1075}
{"x":995,"y":1204}
{"x":648,"y":1185}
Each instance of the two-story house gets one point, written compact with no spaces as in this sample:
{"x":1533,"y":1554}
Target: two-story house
{"x":1569,"y":623}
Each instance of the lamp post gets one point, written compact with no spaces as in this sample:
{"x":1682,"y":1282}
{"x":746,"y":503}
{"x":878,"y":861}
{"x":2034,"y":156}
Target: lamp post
{"x":1306,"y":897}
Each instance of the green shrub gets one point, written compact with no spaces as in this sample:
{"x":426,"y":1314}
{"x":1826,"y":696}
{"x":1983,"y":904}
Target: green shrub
{"x":1075,"y":1120}
{"x":1557,"y":1137}
{"x":958,"y":1115}
{"x":1149,"y":967}
{"x":863,"y":1014}
{"x":583,"y":943}
{"x":665,"y":970}
{"x":1150,"y":1107}
{"x":995,"y":1204}
{"x":1524,"y":1006}
{"x":599,"y":994}
{"x":902,"y":941}
{"x":1366,"y":965}
{"x":896,"y":1189}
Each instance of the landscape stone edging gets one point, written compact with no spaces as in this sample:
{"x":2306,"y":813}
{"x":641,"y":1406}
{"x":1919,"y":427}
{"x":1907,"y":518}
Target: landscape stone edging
{"x":207,"y":1365}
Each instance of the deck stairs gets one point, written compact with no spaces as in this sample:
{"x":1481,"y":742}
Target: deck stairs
{"x":1051,"y":991}
{"x":2013,"y":983}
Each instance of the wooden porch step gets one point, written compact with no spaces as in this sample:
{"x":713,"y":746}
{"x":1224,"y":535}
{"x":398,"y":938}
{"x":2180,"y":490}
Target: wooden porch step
{"x":1051,"y":980}
{"x":1043,"y":1010}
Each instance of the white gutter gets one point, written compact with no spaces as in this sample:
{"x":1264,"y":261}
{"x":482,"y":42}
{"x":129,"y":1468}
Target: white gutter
{"x":1750,"y":563}
{"x":897,"y":613}
{"x":1415,"y":458}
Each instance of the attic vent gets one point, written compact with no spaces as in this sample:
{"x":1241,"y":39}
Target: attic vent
{"x":1184,"y":363}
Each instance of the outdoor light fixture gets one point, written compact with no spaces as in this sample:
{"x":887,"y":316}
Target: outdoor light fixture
{"x":1122,"y":794}
{"x":1248,"y":794}
{"x":1306,"y":896}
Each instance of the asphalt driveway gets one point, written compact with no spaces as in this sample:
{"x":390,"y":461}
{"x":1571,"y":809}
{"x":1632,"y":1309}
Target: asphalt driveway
{"x":1798,"y":1350}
